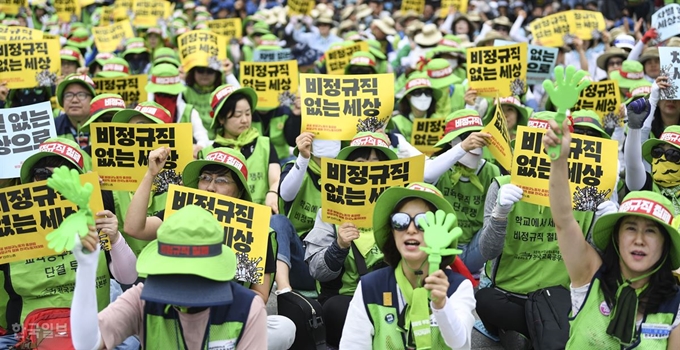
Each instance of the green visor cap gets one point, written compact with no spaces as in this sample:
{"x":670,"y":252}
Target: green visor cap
{"x":460,"y":122}
{"x":375,"y":140}
{"x":269,"y":42}
{"x":166,"y":55}
{"x":64,"y":148}
{"x":79,"y":38}
{"x":135,"y":46}
{"x":72,"y":54}
{"x":223,"y":156}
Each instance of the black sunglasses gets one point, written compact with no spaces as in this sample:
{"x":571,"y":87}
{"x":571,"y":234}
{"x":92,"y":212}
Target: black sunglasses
{"x":672,"y":155}
{"x":41,"y":174}
{"x":401,"y":221}
{"x":204,"y":70}
{"x":586,"y":131}
{"x":419,"y":92}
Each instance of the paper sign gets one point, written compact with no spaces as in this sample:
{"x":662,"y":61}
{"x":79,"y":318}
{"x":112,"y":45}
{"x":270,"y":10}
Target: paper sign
{"x":593,"y":170}
{"x":413,"y":5}
{"x":202,"y":48}
{"x":246,"y":227}
{"x":29,"y":212}
{"x":86,"y":3}
{"x":22,"y":130}
{"x":148,"y":12}
{"x":122,"y":9}
{"x":120,"y":152}
{"x":109,"y":37}
{"x":426,"y":133}
{"x":274,"y":82}
{"x":350,"y":189}
{"x":131,"y":88}
{"x":300,"y":7}
{"x":604,"y":98}
{"x":459,"y":5}
{"x":230,"y":28}
{"x":667,"y":21}
{"x":19,"y":34}
{"x":338,"y":58}
{"x":540,"y":61}
{"x":272,"y":56}
{"x":28,"y":64}
{"x":66,"y":9}
{"x":584,"y":23}
{"x":498,"y":71}
{"x":550,"y":31}
{"x":337,"y":108}
{"x":499,"y":144}
{"x":106,"y":16}
{"x":670,"y":67}
{"x":11,"y":7}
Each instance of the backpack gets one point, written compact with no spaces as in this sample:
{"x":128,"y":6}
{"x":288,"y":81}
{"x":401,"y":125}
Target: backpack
{"x":547,"y":313}
{"x":47,"y":329}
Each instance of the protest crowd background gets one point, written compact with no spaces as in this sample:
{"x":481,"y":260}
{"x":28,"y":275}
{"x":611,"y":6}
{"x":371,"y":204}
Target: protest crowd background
{"x":364,"y":174}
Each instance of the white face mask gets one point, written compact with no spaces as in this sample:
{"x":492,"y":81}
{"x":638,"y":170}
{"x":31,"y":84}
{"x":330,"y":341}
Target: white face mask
{"x":325,"y":148}
{"x":470,"y":159}
{"x":421,"y":103}
{"x":453,"y":62}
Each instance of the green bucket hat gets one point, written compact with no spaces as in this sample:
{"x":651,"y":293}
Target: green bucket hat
{"x":222,"y":94}
{"x":149,"y":109}
{"x":375,"y":49}
{"x":441,"y":74}
{"x":83,"y":80}
{"x":102,"y":104}
{"x":375,"y":140}
{"x":165,"y":79}
{"x":450,"y":44}
{"x":630,"y":74}
{"x":419,"y":80}
{"x":269,"y":42}
{"x":362,"y":59}
{"x":641,"y":89}
{"x":261,"y":27}
{"x":589,"y":119}
{"x":72,"y":54}
{"x":670,"y":136}
{"x":646,"y":204}
{"x":540,"y":119}
{"x":353,"y":36}
{"x":523,"y":112}
{"x":101,"y":58}
{"x":389,"y":199}
{"x":460,"y":122}
{"x":64,"y":148}
{"x":79,"y":38}
{"x":166,"y":55}
{"x":223,"y":156}
{"x":114,"y":67}
{"x":135,"y":46}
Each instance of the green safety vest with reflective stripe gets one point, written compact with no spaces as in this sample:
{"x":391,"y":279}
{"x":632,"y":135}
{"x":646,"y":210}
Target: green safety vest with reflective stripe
{"x":201,"y":102}
{"x":122,"y":200}
{"x":306,"y":204}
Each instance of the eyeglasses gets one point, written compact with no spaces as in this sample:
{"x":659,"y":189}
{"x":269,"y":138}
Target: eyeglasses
{"x":420,"y":92}
{"x":219,"y":181}
{"x":41,"y":174}
{"x":586,"y":131}
{"x":81,"y":95}
{"x":204,"y":70}
{"x":616,"y":63}
{"x":672,"y":155}
{"x":401,"y":221}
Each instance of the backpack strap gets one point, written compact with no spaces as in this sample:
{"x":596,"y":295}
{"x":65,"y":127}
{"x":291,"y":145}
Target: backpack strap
{"x":359,"y":259}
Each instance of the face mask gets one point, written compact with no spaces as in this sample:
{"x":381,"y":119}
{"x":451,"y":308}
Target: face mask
{"x":665,"y":173}
{"x":421,"y":103}
{"x":453,"y":62}
{"x":325,"y":148}
{"x":470,"y":159}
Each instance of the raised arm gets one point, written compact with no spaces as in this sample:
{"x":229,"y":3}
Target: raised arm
{"x":137,"y":224}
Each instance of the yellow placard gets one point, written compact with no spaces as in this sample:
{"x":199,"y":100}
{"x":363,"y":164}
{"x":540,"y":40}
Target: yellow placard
{"x":106,"y":16}
{"x":585,"y":22}
{"x":459,"y":5}
{"x":228,"y":27}
{"x":300,"y":7}
{"x":29,"y":212}
{"x":66,"y":9}
{"x":350,"y":189}
{"x":593,"y":169}
{"x":19,"y":34}
{"x":604,"y":98}
{"x":27,"y":64}
{"x":202,"y":48}
{"x":273,"y":81}
{"x":120,"y":152}
{"x":246,"y":227}
{"x":338,"y":58}
{"x":122,"y":9}
{"x":131,"y":88}
{"x":148,"y":12}
{"x":413,"y":5}
{"x":426,"y":133}
{"x":550,"y":31}
{"x":85,"y":3}
{"x":11,"y":7}
{"x":498,"y":71}
{"x":499,"y":144}
{"x":108,"y":38}
{"x":337,"y":108}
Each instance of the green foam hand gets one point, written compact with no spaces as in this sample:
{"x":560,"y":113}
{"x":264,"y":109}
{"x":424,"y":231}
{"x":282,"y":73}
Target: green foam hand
{"x":564,"y":94}
{"x":67,"y":182}
{"x":440,"y":230}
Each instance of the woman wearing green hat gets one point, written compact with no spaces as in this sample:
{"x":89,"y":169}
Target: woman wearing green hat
{"x":514,"y":111}
{"x":389,"y":303}
{"x":631,"y":74}
{"x":361,"y":63}
{"x":442,"y":76}
{"x":333,"y":251}
{"x":114,"y":67}
{"x":419,"y":101}
{"x":625,"y":296}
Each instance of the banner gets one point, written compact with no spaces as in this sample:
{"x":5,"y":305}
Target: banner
{"x":201,"y":48}
{"x":120,"y":152}
{"x":29,"y":212}
{"x":231,"y":28}
{"x":499,"y":144}
{"x":28,"y":64}
{"x":551,"y":30}
{"x":426,"y":133}
{"x":413,"y":5}
{"x":337,"y":108}
{"x":22,"y":130}
{"x":148,"y":12}
{"x":540,"y":61}
{"x":337,"y":59}
{"x":604,"y":98}
{"x":459,"y":5}
{"x":19,"y":34}
{"x":11,"y":7}
{"x":667,"y":22}
{"x":246,"y":226}
{"x":273,"y":56}
{"x":131,"y":88}
{"x":274,"y":82}
{"x":350,"y":189}
{"x":300,"y":7}
{"x":108,"y":38}
{"x":593,"y":168}
{"x":498,"y":71}
{"x":67,"y":10}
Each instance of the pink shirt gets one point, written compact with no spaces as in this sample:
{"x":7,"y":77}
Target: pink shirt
{"x":125,"y":317}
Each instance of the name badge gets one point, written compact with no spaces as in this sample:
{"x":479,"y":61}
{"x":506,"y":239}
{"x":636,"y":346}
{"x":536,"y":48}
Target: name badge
{"x":655,"y":331}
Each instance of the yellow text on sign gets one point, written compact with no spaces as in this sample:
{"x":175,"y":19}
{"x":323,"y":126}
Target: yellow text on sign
{"x":499,"y":144}
{"x":19,"y":34}
{"x":413,"y":5}
{"x":109,"y":37}
{"x":602,"y":97}
{"x":593,"y":169}
{"x":28,"y":64}
{"x":131,"y":88}
{"x":550,"y":31}
{"x":246,"y":226}
{"x":120,"y":152}
{"x":426,"y":133}
{"x":148,"y":12}
{"x":30,"y":212}
{"x":498,"y":71}
{"x":66,"y":9}
{"x":199,"y":48}
{"x":350,"y":189}
{"x":338,"y":58}
{"x":270,"y":80}
{"x":337,"y":108}
{"x":227,"y":27}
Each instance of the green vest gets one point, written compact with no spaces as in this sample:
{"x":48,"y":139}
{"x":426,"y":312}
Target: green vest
{"x":201,"y":102}
{"x":4,"y":299}
{"x":121,"y":200}
{"x":460,"y":73}
{"x":401,"y":124}
{"x":467,"y":200}
{"x":186,"y":114}
{"x":304,"y":207}
{"x":531,"y":257}
{"x":276,"y":135}
{"x":589,"y":328}
{"x":457,"y":98}
{"x":444,"y":103}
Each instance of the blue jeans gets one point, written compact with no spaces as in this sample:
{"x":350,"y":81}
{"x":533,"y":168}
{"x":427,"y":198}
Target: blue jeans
{"x":8,"y":340}
{"x":131,"y":343}
{"x":472,"y":257}
{"x":292,"y":253}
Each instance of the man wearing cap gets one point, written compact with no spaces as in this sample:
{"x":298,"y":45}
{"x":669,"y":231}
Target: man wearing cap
{"x":319,"y":36}
{"x":74,"y":93}
{"x":188,"y":301}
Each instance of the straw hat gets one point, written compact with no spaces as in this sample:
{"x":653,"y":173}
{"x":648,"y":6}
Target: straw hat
{"x":347,"y":11}
{"x":490,"y":36}
{"x":384,"y":26}
{"x":324,"y":19}
{"x":611,"y":52}
{"x":465,"y":41}
{"x":474,"y":16}
{"x":410,"y":14}
{"x":649,"y":53}
{"x":673,"y":42}
{"x":346,"y":24}
{"x":502,"y":21}
{"x":414,"y":27}
{"x":430,"y":36}
{"x":363,"y":11}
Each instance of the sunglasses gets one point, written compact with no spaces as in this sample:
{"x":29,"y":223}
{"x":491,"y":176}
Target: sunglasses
{"x":401,"y":221}
{"x":672,"y":155}
{"x":41,"y":174}
{"x":586,"y":131}
{"x":204,"y":70}
{"x":614,"y":63}
{"x":420,"y":92}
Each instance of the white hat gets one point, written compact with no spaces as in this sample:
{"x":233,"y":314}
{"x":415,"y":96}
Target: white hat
{"x":384,"y":26}
{"x":429,"y":36}
{"x":624,"y":42}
